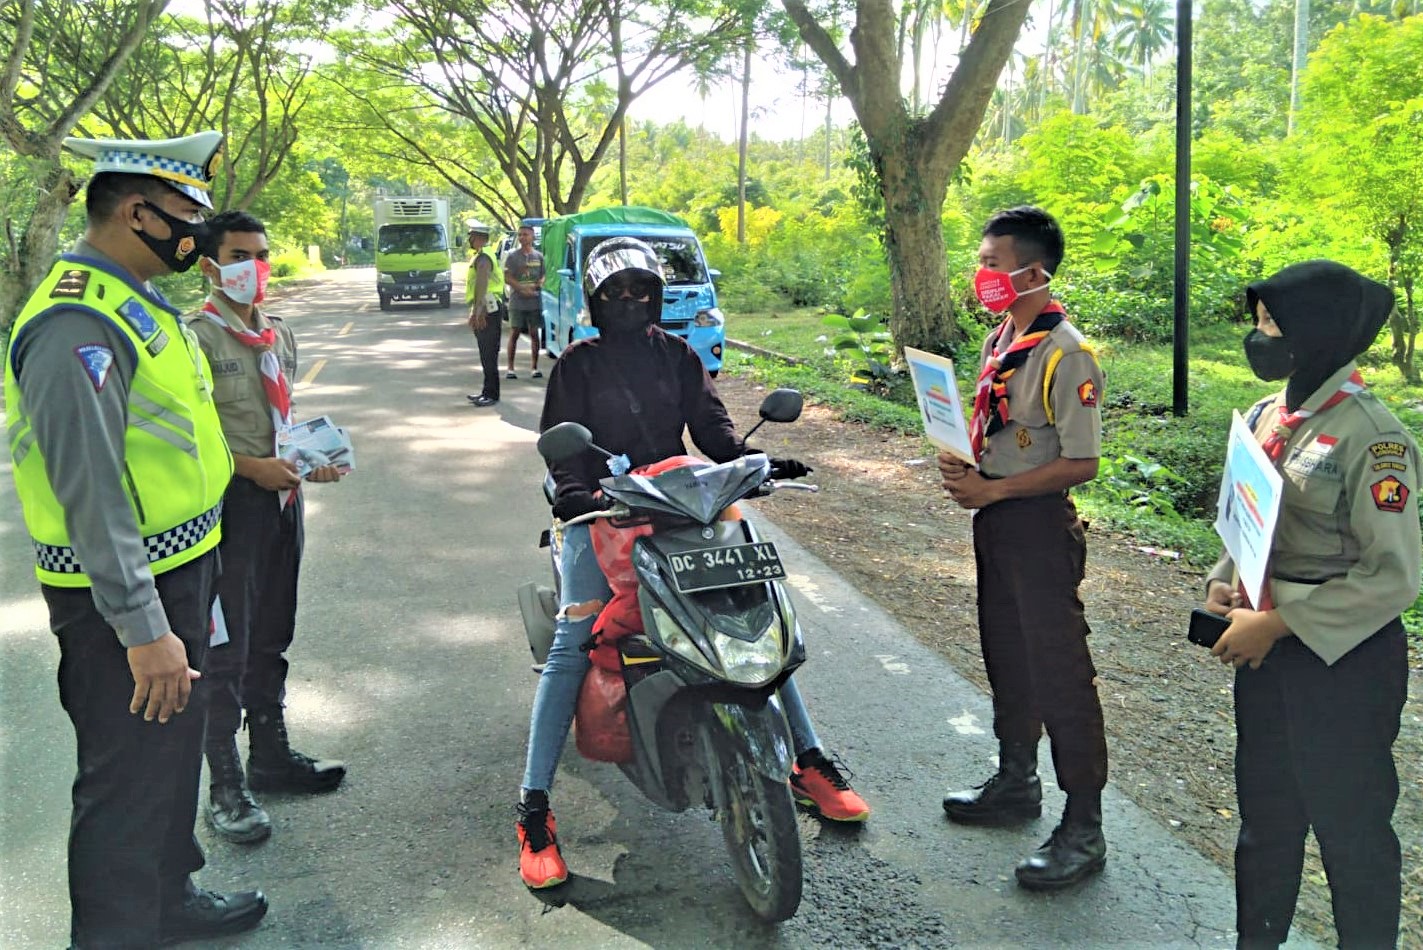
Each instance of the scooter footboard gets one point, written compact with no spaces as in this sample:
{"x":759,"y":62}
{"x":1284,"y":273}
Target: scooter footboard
{"x":763,"y":732}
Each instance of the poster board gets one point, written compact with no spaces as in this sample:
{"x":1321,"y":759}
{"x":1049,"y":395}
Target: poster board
{"x":940,"y":408}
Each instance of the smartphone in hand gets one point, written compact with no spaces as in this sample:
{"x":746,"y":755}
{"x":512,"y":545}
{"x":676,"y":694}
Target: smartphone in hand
{"x":1206,"y":627}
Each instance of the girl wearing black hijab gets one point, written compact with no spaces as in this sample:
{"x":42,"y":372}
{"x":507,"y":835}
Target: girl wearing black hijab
{"x":1322,"y":665}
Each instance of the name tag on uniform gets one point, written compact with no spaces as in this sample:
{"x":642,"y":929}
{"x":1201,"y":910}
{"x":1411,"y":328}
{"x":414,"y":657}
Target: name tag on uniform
{"x":1315,"y":460}
{"x":226,"y":367}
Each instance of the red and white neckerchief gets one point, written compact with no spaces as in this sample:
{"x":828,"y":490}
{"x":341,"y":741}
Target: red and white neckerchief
{"x":274,"y":381}
{"x":1274,"y":445}
{"x":990,"y":398}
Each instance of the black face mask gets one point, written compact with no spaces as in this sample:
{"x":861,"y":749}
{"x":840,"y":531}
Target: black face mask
{"x":179,"y":250}
{"x":1270,"y":357}
{"x":623,"y":316}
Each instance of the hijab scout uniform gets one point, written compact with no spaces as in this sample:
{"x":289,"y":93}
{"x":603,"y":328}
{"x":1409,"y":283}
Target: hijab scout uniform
{"x":1031,"y":554}
{"x":1316,"y":722}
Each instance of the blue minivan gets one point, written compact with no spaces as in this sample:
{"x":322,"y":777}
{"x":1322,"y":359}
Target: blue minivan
{"x":689,"y":305}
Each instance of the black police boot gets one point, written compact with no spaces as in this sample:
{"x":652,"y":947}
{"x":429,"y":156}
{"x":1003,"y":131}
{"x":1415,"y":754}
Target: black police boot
{"x":196,"y":914}
{"x":274,"y":766}
{"x":1013,"y":794}
{"x":231,"y":809}
{"x":1075,"y":851}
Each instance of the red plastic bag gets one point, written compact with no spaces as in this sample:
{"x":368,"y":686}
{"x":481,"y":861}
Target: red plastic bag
{"x":602,"y":730}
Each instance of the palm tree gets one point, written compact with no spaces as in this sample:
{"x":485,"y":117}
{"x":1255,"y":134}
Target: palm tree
{"x":1145,"y":30}
{"x":1091,"y":21}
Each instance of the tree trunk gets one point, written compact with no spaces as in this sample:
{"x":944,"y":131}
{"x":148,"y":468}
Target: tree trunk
{"x":918,"y":266}
{"x":27,"y":261}
{"x":623,"y":160}
{"x":741,"y":146}
{"x":1300,"y":54}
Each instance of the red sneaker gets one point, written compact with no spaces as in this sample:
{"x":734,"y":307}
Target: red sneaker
{"x":540,"y":864}
{"x":821,"y":789}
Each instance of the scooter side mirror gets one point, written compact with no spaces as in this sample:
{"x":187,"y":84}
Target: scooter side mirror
{"x":564,"y":441}
{"x":782,"y":405}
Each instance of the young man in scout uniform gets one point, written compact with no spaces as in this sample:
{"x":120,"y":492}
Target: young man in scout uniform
{"x":483,"y":287}
{"x":120,"y":466}
{"x":1036,"y":432}
{"x":253,"y":358}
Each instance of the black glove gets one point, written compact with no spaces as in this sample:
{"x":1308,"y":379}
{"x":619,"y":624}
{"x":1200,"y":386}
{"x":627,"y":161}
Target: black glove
{"x":789,"y":468}
{"x":572,"y":504}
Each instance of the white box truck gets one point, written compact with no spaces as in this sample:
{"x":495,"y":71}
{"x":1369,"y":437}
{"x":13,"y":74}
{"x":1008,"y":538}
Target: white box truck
{"x":412,"y":249}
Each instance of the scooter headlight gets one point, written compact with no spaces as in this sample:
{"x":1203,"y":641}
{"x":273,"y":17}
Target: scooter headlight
{"x":672,"y":637}
{"x":755,"y":663}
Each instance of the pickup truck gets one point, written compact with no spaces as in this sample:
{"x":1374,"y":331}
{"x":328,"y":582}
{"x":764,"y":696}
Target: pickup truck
{"x":689,"y":305}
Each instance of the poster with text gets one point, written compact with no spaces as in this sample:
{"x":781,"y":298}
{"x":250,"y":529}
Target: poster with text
{"x":937,"y":392}
{"x":1248,"y":506}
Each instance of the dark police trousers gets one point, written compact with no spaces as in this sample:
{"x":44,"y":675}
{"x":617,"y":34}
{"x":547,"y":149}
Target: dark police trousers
{"x":261,"y":557}
{"x":1031,"y":554}
{"x":488,"y":340}
{"x":1314,"y":750}
{"x":136,"y":792}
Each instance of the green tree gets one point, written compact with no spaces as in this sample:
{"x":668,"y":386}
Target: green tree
{"x":39,"y":106}
{"x":914,"y":156}
{"x":1361,"y":134}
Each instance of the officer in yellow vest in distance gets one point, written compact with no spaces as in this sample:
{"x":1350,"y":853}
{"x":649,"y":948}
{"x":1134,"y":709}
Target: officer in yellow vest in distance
{"x":120,"y":466}
{"x":484,"y":292}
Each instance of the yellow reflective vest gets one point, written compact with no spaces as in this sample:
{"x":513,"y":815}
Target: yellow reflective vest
{"x":494,"y":292}
{"x":176,"y":461}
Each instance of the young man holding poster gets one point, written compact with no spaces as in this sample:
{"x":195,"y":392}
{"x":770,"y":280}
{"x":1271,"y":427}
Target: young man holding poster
{"x":1036,"y":431}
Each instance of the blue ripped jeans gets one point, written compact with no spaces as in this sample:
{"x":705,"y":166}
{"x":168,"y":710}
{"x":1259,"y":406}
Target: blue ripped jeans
{"x":557,"y":695}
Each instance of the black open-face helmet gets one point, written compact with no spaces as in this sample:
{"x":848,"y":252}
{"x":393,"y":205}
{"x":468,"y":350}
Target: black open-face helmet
{"x":628,"y":259}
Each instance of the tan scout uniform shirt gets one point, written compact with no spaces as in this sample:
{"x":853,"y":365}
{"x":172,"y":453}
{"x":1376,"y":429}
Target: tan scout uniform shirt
{"x":1348,"y":518}
{"x":242,"y":403}
{"x":1033,"y":437}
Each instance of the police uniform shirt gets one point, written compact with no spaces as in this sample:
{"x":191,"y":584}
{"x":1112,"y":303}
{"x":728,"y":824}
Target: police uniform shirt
{"x":1053,"y":401}
{"x":80,"y":413}
{"x":1348,"y":518}
{"x":241,"y":398}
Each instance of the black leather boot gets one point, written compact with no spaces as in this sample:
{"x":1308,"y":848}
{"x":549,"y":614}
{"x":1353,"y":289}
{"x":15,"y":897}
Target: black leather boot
{"x":273,"y":766}
{"x":1013,"y":794}
{"x":196,"y":914}
{"x":1075,"y":851}
{"x":232,"y":811}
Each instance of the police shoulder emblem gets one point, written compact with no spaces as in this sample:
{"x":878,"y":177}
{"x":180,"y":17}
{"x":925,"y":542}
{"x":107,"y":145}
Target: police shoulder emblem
{"x":72,"y":284}
{"x":97,"y":360}
{"x":1390,"y":494}
{"x":136,"y":315}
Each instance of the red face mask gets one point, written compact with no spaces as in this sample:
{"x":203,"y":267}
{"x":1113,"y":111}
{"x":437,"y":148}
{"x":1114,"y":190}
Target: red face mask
{"x":994,"y":288}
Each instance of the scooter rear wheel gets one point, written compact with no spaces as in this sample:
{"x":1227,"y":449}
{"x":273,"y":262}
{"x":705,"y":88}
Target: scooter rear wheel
{"x":762,"y":837}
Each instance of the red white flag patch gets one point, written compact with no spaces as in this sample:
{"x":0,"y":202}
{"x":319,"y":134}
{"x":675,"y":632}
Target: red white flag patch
{"x":1389,"y":494}
{"x":1087,"y":392}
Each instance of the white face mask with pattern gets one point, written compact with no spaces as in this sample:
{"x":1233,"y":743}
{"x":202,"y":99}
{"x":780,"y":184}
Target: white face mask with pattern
{"x":244,"y":282}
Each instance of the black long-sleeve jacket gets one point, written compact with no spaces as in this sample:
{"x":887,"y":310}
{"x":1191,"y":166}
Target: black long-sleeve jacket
{"x":636,"y":397}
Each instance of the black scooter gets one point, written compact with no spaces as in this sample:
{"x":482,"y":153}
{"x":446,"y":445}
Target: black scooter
{"x":720,"y":638}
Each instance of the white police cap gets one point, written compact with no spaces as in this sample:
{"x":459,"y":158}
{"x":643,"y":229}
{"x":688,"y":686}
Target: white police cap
{"x":187,"y":164}
{"x":475,"y":226}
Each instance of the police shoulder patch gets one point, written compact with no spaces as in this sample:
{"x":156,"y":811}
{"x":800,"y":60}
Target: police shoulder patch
{"x":72,"y":284}
{"x":1087,"y":393}
{"x":1389,"y":494}
{"x":97,"y":360}
{"x":1380,"y":449}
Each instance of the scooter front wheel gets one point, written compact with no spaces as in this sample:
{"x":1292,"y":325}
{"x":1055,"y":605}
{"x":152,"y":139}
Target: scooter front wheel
{"x":761,"y":834}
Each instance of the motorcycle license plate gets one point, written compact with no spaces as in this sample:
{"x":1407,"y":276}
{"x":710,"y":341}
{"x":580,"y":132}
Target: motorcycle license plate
{"x":732,"y":566}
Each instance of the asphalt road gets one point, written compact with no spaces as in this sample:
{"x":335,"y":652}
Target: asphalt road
{"x":410,"y":664}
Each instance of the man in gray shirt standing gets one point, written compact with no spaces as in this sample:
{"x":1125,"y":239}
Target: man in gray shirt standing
{"x":120,"y":466}
{"x":524,"y":276}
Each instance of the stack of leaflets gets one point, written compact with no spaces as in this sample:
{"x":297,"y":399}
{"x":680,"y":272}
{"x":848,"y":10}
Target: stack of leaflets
{"x":316,"y":443}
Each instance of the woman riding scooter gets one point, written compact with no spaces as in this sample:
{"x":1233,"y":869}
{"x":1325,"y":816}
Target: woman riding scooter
{"x":636,"y":388}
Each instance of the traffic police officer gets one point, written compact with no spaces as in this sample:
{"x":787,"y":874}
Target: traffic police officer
{"x":253,"y":357}
{"x":484,"y":292}
{"x":120,"y":466}
{"x":1036,"y":432}
{"x":1322,"y":667}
